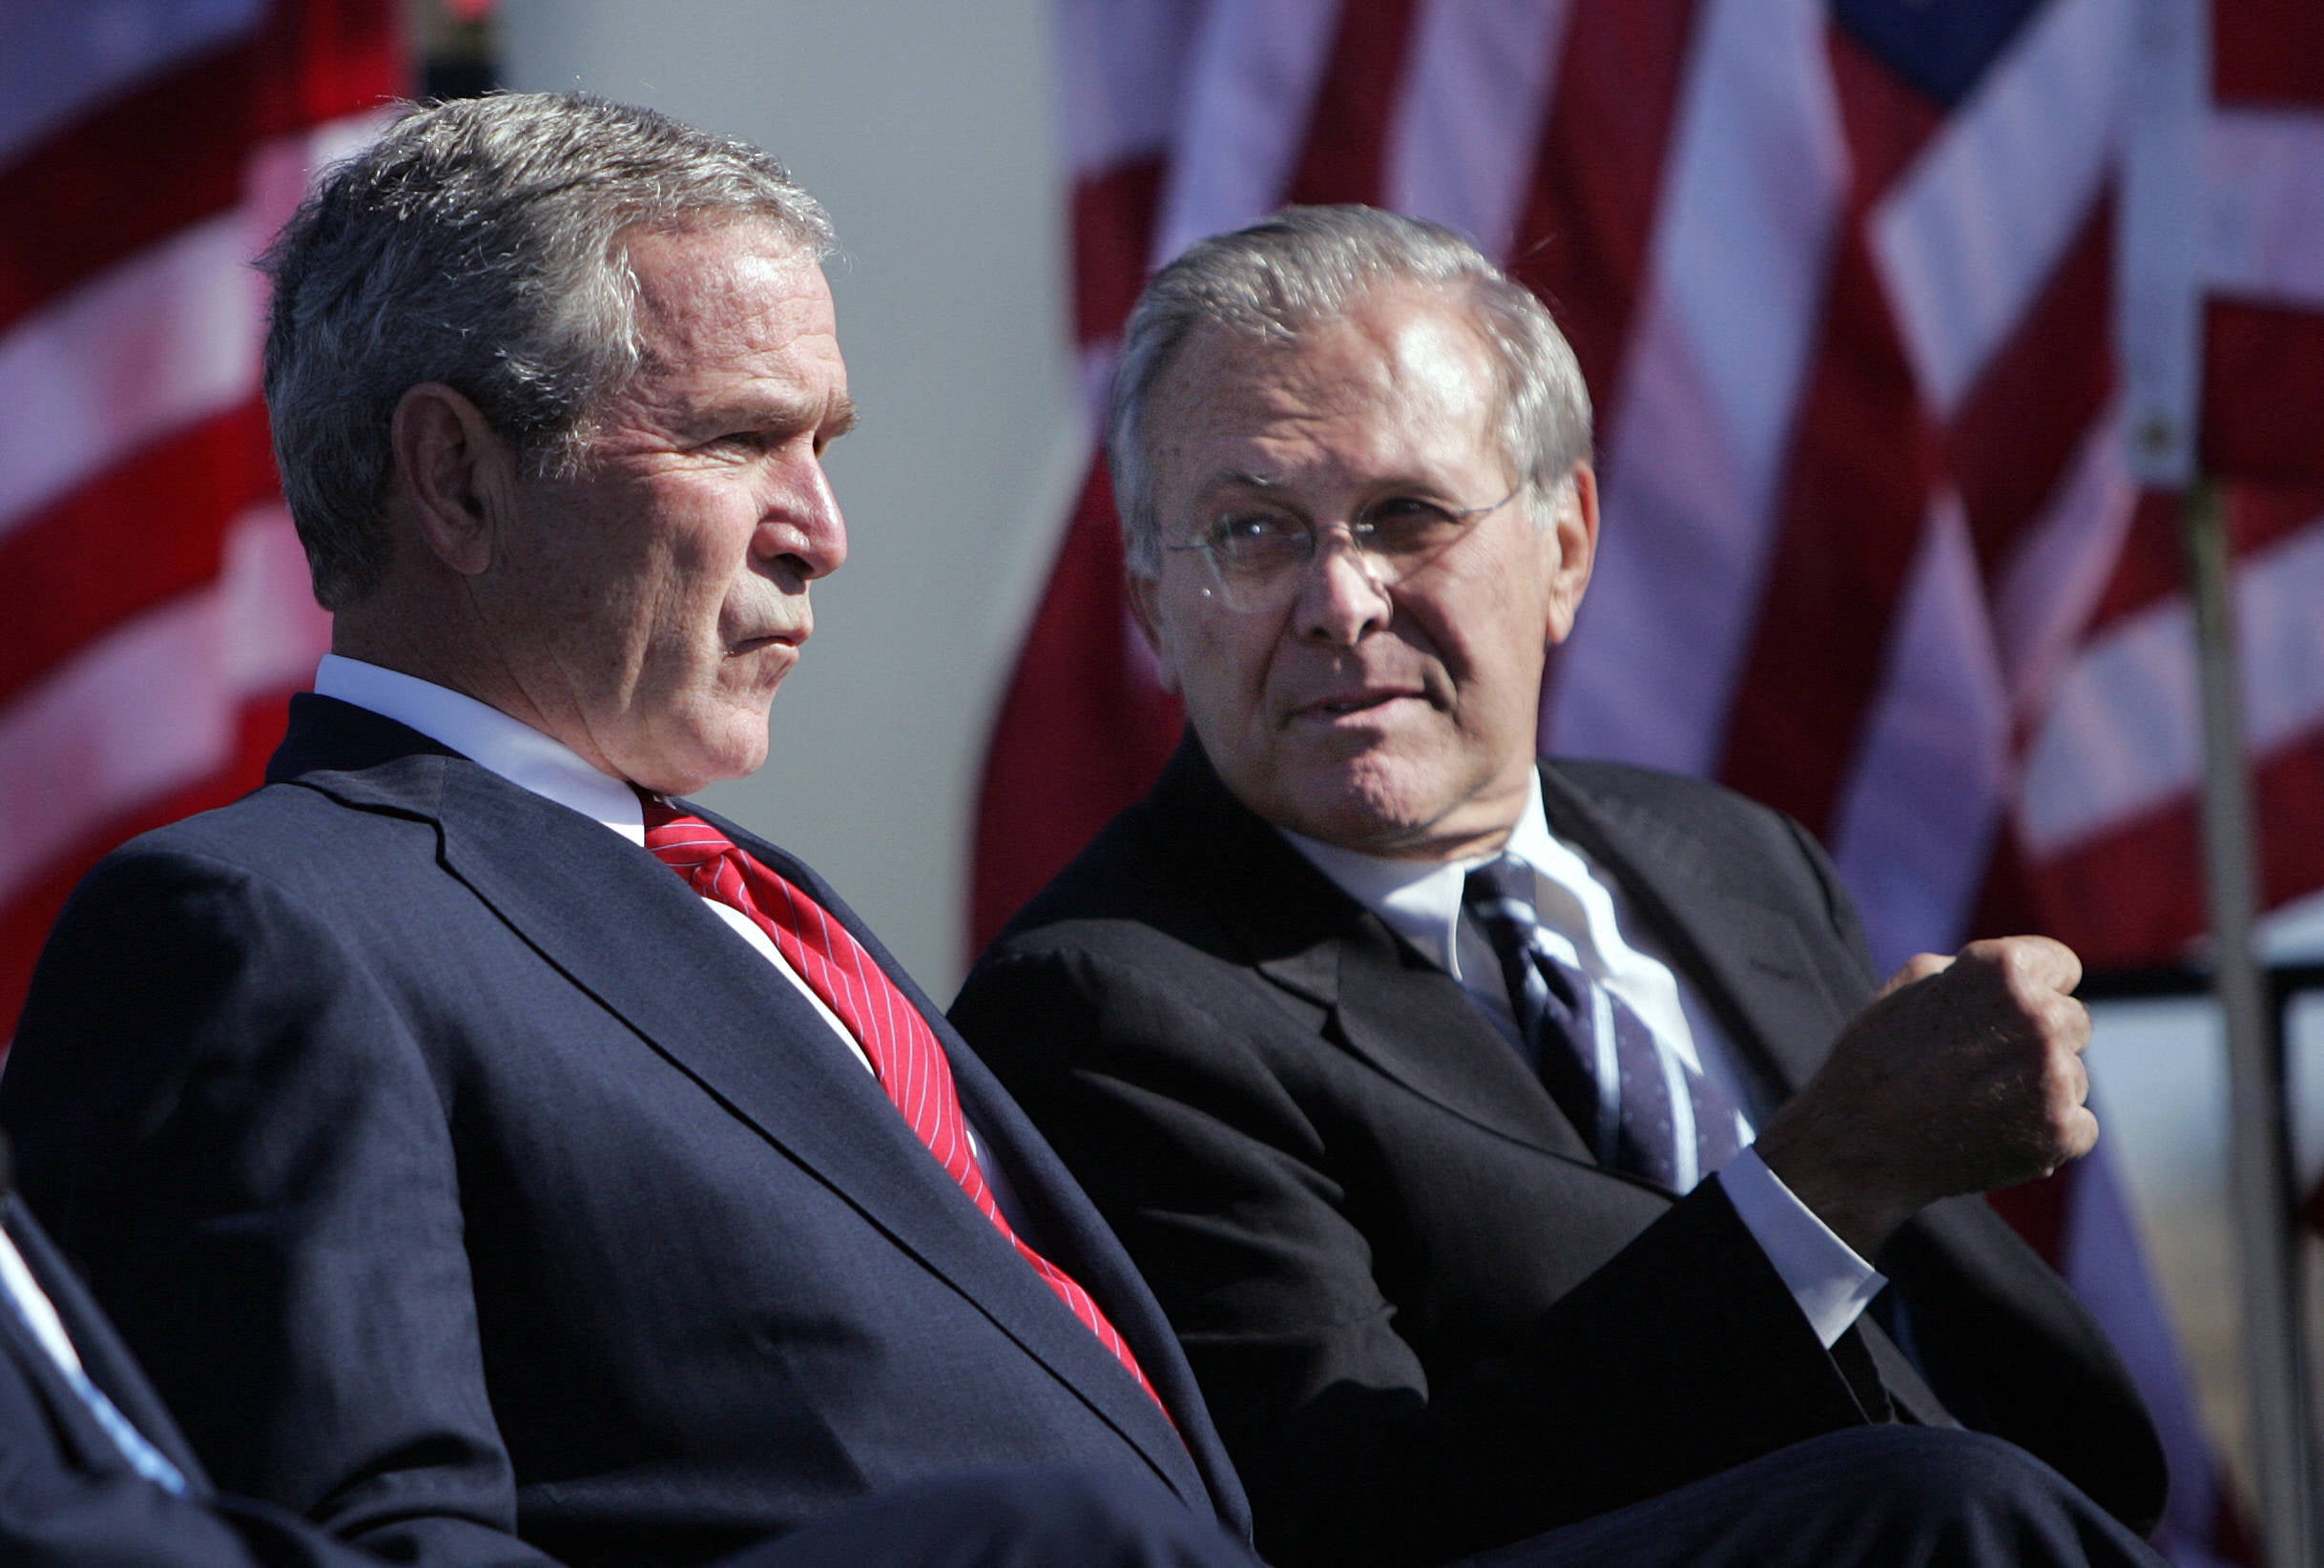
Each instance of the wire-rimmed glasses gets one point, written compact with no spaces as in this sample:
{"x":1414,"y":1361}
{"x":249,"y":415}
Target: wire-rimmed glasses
{"x":1256,"y":555}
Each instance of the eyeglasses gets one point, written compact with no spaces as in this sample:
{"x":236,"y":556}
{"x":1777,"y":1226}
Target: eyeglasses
{"x":1256,"y":555}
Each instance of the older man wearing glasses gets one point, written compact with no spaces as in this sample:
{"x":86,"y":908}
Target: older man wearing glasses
{"x":1506,"y":1140}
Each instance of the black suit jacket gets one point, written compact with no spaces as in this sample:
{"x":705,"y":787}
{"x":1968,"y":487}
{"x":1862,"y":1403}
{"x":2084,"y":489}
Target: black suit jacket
{"x":68,"y":1498}
{"x":459,"y":1176}
{"x":1425,"y":1319}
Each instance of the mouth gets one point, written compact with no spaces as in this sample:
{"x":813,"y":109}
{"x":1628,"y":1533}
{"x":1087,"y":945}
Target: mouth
{"x":742,"y":646}
{"x":1346,"y":705}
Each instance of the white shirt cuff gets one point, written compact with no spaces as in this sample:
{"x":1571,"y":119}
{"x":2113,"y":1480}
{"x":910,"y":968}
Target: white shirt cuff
{"x":1832,"y":1285}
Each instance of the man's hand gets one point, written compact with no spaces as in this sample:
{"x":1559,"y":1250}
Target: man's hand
{"x":1965,"y":1075}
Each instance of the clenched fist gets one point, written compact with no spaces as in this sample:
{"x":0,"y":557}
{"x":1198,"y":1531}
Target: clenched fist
{"x":1965,"y":1075}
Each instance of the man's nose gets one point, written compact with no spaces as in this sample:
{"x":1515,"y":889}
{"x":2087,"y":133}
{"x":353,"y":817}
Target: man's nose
{"x":804,"y":529}
{"x":1341,"y":598}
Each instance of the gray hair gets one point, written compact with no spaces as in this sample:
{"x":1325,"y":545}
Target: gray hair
{"x":1308,"y":265}
{"x":481,"y":243}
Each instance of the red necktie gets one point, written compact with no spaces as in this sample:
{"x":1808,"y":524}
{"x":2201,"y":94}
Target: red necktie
{"x":911,"y":1066}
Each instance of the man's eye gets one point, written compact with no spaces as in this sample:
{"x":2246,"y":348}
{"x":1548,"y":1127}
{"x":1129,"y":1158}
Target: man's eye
{"x":1406,"y":509}
{"x":1406,"y":520}
{"x":1249,"y":531}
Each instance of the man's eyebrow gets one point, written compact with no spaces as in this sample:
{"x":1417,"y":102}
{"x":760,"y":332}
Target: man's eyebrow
{"x":830,"y":419}
{"x":1238,"y":478}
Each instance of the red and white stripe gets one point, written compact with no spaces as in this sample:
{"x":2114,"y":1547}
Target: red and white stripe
{"x":158,"y":599}
{"x":1872,"y":550}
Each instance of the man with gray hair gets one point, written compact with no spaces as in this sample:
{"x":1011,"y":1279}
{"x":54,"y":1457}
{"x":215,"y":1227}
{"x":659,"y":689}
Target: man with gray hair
{"x":490,"y":1156}
{"x":1506,"y":1140}
{"x":497,"y":1160}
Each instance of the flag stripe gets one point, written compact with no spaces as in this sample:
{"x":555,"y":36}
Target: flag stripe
{"x":2268,"y":51}
{"x":2055,"y":575}
{"x":1112,"y":235}
{"x":1695,"y":442}
{"x":2263,"y":415}
{"x":1978,"y":227}
{"x":65,"y":57}
{"x":73,"y":180}
{"x":1256,"y":71}
{"x":1583,"y":242}
{"x":1863,"y":469}
{"x":1345,"y":154}
{"x":1862,"y":465}
{"x":146,"y":531}
{"x":1121,"y":97}
{"x":1083,"y":728}
{"x":2022,"y":422}
{"x":164,"y":339}
{"x":152,"y":706}
{"x":1469,"y":114}
{"x":2137,"y":889}
{"x":2123,"y":734}
{"x":2264,"y":170}
{"x":1924,"y":797}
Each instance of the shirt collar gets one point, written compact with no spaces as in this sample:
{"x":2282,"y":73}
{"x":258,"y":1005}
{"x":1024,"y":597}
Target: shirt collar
{"x":1421,"y":902}
{"x":484,"y":735}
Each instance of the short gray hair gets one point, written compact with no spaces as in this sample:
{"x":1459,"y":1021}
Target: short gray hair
{"x":1308,"y":265}
{"x":480,"y":243}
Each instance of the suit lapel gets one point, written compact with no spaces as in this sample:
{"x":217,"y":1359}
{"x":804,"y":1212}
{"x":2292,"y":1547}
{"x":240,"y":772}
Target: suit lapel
{"x":1383,"y":1000}
{"x":1748,"y":959}
{"x":1071,"y":1236}
{"x":642,"y":944}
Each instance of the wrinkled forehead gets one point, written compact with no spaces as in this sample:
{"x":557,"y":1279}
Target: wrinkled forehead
{"x":700,"y":288}
{"x":1402,"y":373}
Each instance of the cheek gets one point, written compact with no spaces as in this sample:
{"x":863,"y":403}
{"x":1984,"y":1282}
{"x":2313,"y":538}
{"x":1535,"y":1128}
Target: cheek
{"x":1232,"y":661}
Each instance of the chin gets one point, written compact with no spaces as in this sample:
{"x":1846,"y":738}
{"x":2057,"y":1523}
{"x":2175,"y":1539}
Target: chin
{"x":703,"y":759}
{"x":1362,"y":808}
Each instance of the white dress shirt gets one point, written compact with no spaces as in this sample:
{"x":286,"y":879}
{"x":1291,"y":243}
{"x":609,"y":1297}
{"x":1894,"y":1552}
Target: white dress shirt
{"x":1586,"y":923}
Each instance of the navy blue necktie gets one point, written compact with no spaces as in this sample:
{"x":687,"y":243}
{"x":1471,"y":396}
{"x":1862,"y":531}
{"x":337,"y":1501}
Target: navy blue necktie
{"x":1640,"y":1106}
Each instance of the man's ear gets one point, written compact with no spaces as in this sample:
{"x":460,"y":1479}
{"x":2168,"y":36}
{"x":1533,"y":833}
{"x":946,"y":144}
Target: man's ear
{"x":1572,"y":534}
{"x":1144,"y":593}
{"x":454,"y":473}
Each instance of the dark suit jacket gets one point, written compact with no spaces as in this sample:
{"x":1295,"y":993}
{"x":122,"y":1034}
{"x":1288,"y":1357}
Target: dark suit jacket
{"x":68,"y":1496}
{"x":457,"y":1173}
{"x":1425,"y":1320}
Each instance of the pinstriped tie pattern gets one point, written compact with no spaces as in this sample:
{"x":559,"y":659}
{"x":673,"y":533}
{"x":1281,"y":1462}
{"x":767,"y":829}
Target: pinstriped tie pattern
{"x":911,"y":1067}
{"x":1634,"y":1101}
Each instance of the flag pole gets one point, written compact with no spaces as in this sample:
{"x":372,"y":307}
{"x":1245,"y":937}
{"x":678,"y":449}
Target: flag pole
{"x":2160,"y":328}
{"x":2259,"y":1134}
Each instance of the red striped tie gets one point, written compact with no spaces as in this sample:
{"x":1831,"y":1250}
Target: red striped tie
{"x":911,"y":1067}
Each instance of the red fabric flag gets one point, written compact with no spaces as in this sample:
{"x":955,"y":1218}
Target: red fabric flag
{"x":156,"y":601}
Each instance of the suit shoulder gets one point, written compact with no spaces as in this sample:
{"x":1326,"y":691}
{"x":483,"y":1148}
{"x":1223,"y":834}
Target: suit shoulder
{"x":1738,"y":833}
{"x":242,"y":829}
{"x":1135,"y":875}
{"x":1652,"y":788}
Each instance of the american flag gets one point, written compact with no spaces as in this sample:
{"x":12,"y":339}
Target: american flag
{"x":155,"y":601}
{"x":1840,"y":277}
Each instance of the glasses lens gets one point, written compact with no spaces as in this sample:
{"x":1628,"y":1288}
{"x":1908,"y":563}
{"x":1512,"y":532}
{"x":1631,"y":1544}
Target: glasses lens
{"x":1256,"y":560}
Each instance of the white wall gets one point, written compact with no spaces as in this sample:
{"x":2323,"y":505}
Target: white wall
{"x":927,"y":128}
